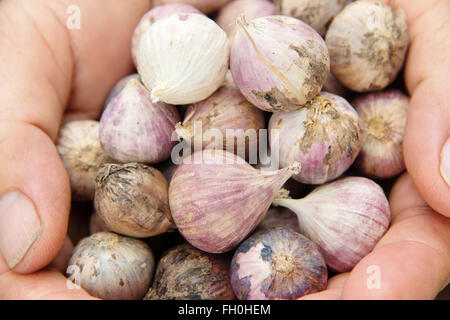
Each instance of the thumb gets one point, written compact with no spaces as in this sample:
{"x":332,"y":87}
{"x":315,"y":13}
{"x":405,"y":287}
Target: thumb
{"x":34,"y":197}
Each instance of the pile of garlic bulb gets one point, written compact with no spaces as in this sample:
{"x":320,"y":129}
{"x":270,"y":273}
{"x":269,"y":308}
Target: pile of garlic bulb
{"x":212,"y":129}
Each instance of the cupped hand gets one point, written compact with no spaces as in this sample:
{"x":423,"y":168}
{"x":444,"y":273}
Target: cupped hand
{"x":412,"y":261}
{"x":53,"y":66}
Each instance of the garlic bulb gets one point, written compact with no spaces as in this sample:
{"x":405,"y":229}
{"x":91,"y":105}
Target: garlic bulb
{"x":120,"y":85}
{"x":112,"y":267}
{"x":345,"y":218}
{"x":317,"y":13}
{"x":132,"y":199}
{"x":79,"y":147}
{"x":279,"y":63}
{"x":226,"y":120}
{"x":382,"y":120}
{"x":154,"y":15}
{"x":367,"y":42}
{"x":133,"y":129}
{"x":324,"y":137}
{"x":217,"y":199}
{"x":206,"y":6}
{"x":183,"y":58}
{"x":252,"y":9}
{"x":186,"y":273}
{"x":277,"y":264}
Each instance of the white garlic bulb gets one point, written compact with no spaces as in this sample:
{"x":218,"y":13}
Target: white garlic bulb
{"x":183,"y":58}
{"x":79,"y":147}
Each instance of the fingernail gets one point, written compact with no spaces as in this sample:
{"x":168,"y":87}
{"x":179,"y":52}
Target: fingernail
{"x":445,"y":162}
{"x":19,"y":226}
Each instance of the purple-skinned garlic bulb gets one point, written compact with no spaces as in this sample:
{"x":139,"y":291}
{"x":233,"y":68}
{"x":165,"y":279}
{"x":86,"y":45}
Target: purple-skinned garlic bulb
{"x":345,"y":218}
{"x":120,"y":85}
{"x":367,"y":42}
{"x":323,"y":136}
{"x":186,"y":273}
{"x":183,"y":58}
{"x":317,"y":13}
{"x":252,"y":9}
{"x":226,"y":120}
{"x":217,"y":199}
{"x":133,"y":129}
{"x":277,"y":263}
{"x":132,"y":199}
{"x":279,"y":63}
{"x":382,"y":120}
{"x":155,"y":14}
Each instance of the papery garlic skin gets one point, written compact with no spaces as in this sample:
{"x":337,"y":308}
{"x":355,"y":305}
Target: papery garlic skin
{"x":252,"y":9}
{"x":217,"y":199}
{"x":275,"y":264}
{"x":183,"y":58}
{"x":206,"y":6}
{"x":133,"y":129}
{"x":154,"y":15}
{"x":226,"y":111}
{"x":323,"y":136}
{"x":332,"y":85}
{"x":186,"y":273}
{"x":367,"y":42}
{"x":279,"y":63}
{"x":132,"y":199}
{"x":382,"y":120}
{"x":317,"y":13}
{"x":112,"y":267}
{"x":345,"y":218}
{"x":79,"y":147}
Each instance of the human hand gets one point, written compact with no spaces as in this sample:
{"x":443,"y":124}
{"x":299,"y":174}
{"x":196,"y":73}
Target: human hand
{"x":412,"y":260}
{"x":48,"y":72}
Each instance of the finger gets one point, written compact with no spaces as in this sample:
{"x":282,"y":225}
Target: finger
{"x":42,"y":285}
{"x":333,"y":290}
{"x":411,"y":261}
{"x":44,"y":68}
{"x":426,"y":142}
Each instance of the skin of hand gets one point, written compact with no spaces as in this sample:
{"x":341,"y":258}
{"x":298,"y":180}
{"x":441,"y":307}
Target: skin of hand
{"x":49,"y":72}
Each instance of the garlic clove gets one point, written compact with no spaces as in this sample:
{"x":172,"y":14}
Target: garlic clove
{"x":79,"y":147}
{"x":225,"y":120}
{"x":186,"y":273}
{"x":317,"y":13}
{"x":324,"y":137}
{"x":132,"y":200}
{"x":367,"y":42}
{"x":279,"y":63}
{"x":112,"y":267}
{"x":156,"y":13}
{"x":217,"y":199}
{"x":345,"y":218}
{"x":133,"y":129}
{"x":173,"y":62}
{"x":382,"y":119}
{"x":277,"y":263}
{"x":252,"y":9}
